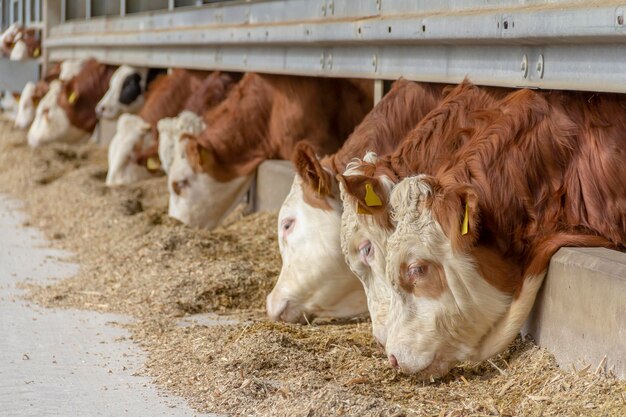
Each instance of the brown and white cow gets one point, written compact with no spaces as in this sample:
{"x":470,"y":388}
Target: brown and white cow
{"x":25,"y":44}
{"x":264,"y":117}
{"x":69,"y":114}
{"x":315,"y":279}
{"x":133,"y":152}
{"x":33,"y":93}
{"x":364,"y":229}
{"x":471,"y":244}
{"x":205,"y":96}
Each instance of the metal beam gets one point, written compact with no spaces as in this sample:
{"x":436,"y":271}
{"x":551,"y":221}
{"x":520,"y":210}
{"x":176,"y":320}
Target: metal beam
{"x":564,"y":44}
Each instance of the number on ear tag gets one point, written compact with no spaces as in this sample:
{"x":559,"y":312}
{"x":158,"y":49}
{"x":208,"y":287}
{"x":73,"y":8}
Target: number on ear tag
{"x":465,"y":225}
{"x":371,"y":198}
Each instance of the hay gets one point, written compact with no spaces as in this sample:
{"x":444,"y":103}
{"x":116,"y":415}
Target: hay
{"x":135,"y":260}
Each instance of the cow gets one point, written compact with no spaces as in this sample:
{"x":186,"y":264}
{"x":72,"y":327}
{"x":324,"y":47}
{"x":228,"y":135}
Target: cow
{"x":7,"y":38}
{"x":71,"y":116}
{"x":9,"y":104}
{"x":133,"y":153}
{"x":264,"y":117}
{"x":26,"y":44}
{"x":429,"y":143}
{"x":206,"y":96}
{"x":315,"y":279}
{"x":33,"y":93}
{"x":470,"y":243}
{"x":126,"y":91}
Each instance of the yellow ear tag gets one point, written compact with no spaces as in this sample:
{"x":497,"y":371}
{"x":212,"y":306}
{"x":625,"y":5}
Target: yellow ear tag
{"x":371,"y":199}
{"x":72,"y":97}
{"x":36,"y":52}
{"x":153,"y":163}
{"x":362,"y":210}
{"x":205,"y":158}
{"x":465,"y":225}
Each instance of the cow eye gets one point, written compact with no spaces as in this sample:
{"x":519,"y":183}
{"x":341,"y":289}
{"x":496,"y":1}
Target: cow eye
{"x":366,"y":252}
{"x":416,"y":271}
{"x":287,"y":225}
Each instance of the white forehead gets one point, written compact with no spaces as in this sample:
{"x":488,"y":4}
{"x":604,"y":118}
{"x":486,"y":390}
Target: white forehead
{"x":70,"y":69}
{"x":51,"y":96}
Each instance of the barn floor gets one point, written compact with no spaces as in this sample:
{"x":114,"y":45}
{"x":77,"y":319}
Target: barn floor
{"x":63,"y":361}
{"x":136,"y":261}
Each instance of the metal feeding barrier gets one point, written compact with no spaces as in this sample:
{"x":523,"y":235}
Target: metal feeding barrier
{"x":562,"y":44}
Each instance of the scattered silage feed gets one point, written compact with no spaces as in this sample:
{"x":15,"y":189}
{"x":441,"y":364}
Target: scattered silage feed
{"x":137,"y":261}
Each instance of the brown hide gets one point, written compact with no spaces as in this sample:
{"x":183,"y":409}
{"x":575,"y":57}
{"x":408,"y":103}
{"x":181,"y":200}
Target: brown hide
{"x":549,"y":170}
{"x":380,"y":131}
{"x":211,"y":91}
{"x":87,"y":87}
{"x":265,"y":116}
{"x":170,"y":93}
{"x":426,"y":147}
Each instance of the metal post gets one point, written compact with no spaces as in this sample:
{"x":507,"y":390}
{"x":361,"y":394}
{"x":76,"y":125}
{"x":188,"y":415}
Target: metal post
{"x":53,"y":12}
{"x":38,"y":11}
{"x":63,"y":11}
{"x":379,"y":90}
{"x":171,"y":4}
{"x":87,"y":9}
{"x":122,"y":7}
{"x":28,"y":12}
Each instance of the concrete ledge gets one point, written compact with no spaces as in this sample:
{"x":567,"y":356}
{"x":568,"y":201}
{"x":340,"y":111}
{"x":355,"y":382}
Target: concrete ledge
{"x":580,"y":313}
{"x":273,"y":182}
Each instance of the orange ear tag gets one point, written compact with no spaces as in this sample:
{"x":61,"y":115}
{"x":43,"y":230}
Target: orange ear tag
{"x":465,"y":225}
{"x":72,"y":97}
{"x":371,"y":198}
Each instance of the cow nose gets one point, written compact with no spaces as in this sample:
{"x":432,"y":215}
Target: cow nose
{"x":275,"y":308}
{"x":99,"y":111}
{"x":393,"y":361}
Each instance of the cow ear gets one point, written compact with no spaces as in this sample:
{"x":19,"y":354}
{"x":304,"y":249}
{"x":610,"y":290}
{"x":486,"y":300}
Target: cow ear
{"x":457,"y":211}
{"x":200,"y":158}
{"x":308,"y":166}
{"x":369,"y":194}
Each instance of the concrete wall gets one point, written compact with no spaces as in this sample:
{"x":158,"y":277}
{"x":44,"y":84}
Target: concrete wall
{"x":14,"y":75}
{"x":580,"y":313}
{"x":273,"y":182}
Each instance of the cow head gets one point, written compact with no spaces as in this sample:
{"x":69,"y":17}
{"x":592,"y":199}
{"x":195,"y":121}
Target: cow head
{"x":125,"y":93}
{"x":446,"y":304}
{"x":364,"y":231}
{"x":171,"y":130}
{"x":9,"y":103}
{"x":314,"y":279}
{"x":197,"y":198}
{"x":70,"y":68}
{"x":132,"y":138}
{"x":19,"y":51}
{"x":26,"y":106}
{"x":51,"y":122}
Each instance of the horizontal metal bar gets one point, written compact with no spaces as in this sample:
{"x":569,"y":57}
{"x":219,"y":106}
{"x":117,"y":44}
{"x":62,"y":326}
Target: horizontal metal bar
{"x":563,"y":44}
{"x":563,"y":66}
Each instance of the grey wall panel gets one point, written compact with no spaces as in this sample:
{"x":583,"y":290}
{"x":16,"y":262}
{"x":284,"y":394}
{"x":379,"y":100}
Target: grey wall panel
{"x":14,"y":75}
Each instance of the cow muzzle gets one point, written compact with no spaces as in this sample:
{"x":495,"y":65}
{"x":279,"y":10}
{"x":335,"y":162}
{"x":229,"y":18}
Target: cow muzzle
{"x":282,"y":309}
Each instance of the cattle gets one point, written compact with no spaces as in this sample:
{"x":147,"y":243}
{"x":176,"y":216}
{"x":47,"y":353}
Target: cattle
{"x":33,"y":93}
{"x":126,"y":91}
{"x":205,"y":96}
{"x":9,"y":104}
{"x":19,"y":43}
{"x":264,"y":117}
{"x":26,"y":44}
{"x":315,"y":279}
{"x":71,"y":116}
{"x":470,"y":243}
{"x":166,"y":97}
{"x":364,"y":229}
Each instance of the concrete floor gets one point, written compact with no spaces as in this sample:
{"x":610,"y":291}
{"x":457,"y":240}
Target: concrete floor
{"x":57,"y":362}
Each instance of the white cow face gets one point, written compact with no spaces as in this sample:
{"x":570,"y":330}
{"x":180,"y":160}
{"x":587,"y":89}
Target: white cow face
{"x":131,"y":138}
{"x":8,"y":105}
{"x":19,"y":52}
{"x":196,"y":198}
{"x":26,"y":107}
{"x":363,"y":243}
{"x":51,"y":123}
{"x":171,"y":130}
{"x":125,"y":93}
{"x":70,"y":68}
{"x":314,"y":279}
{"x":443,"y":307}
